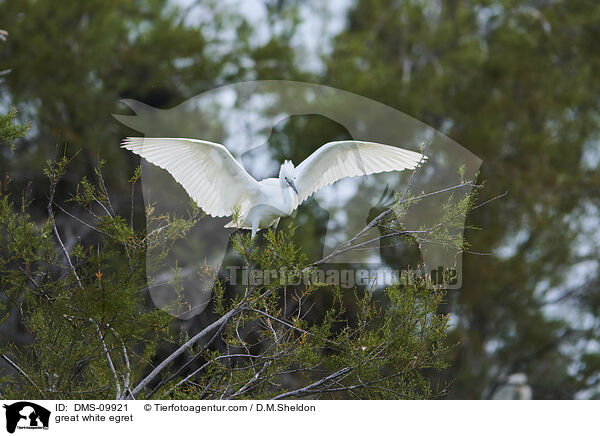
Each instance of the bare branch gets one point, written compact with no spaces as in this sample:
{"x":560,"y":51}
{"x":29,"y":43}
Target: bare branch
{"x":307,"y":389}
{"x":110,"y":363}
{"x":201,"y":335}
{"x":23,"y":374}
{"x":347,"y":246}
{"x":64,"y":249}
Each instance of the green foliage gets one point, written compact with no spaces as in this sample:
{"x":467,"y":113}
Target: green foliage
{"x":10,"y":130}
{"x":516,"y":83}
{"x":73,"y":258}
{"x":72,"y":313}
{"x":382,"y":353}
{"x":93,"y":335}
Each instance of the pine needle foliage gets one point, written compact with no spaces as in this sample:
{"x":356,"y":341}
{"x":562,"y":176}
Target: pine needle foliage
{"x":91,"y":332}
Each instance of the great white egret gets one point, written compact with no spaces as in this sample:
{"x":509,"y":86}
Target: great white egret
{"x":218,"y":183}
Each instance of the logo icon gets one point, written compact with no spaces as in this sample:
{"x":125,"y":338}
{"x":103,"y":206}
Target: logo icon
{"x":26,"y":415}
{"x":181,"y":279}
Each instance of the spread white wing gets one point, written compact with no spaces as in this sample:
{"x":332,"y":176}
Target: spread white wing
{"x":207,"y":170}
{"x":336,"y":160}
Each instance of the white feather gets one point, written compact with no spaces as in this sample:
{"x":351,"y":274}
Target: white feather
{"x":218,"y":183}
{"x":339,"y":159}
{"x":206,"y":170}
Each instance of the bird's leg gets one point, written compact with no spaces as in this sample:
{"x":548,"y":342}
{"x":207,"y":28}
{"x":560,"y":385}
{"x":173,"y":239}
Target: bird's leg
{"x":254,"y":230}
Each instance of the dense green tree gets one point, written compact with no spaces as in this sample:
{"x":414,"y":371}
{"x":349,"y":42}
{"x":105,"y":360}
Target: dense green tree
{"x":75,"y":288}
{"x":517,"y":83}
{"x":92,"y":335}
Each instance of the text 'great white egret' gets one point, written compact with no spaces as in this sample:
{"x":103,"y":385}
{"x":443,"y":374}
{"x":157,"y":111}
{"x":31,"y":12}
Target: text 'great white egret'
{"x":218,"y":183}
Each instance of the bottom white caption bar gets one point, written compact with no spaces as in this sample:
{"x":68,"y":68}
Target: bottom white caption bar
{"x":299,"y":417}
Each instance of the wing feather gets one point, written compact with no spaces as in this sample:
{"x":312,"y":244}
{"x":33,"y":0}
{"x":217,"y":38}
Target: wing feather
{"x":337,"y":160}
{"x":208,"y":172}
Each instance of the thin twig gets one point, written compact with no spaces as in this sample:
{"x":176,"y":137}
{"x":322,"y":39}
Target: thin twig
{"x":142,"y":385}
{"x":64,"y":249}
{"x":306,"y":389}
{"x":20,"y":371}
{"x":110,"y":363}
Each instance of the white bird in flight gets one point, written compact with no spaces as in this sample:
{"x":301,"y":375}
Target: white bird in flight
{"x":219,"y":184}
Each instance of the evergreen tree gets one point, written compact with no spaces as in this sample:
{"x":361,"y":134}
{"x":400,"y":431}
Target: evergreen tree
{"x":92,"y":333}
{"x":515,"y":83}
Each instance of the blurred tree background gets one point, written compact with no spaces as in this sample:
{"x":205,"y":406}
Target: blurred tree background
{"x":515,"y":82}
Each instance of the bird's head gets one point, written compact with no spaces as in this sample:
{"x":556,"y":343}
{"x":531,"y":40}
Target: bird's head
{"x":287,"y":175}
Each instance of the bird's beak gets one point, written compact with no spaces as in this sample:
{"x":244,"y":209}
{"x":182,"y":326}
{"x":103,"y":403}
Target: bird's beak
{"x":293,"y":186}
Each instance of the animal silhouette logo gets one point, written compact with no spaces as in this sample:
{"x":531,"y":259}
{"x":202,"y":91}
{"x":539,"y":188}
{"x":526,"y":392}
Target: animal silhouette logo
{"x":26,"y":415}
{"x":243,"y":117}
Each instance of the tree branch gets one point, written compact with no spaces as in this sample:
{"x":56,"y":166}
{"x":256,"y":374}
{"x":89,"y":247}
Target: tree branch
{"x":307,"y":389}
{"x":23,"y":374}
{"x":144,"y":383}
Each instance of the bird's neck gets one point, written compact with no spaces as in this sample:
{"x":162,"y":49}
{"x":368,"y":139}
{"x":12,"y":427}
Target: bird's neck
{"x":287,"y":198}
